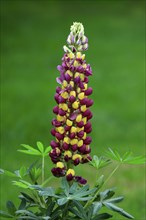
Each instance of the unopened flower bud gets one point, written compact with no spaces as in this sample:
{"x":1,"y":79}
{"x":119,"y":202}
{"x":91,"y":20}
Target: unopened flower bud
{"x":70,"y":174}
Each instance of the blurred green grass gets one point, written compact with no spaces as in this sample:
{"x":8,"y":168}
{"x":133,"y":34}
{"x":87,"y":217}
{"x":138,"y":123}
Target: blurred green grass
{"x":32,"y":36}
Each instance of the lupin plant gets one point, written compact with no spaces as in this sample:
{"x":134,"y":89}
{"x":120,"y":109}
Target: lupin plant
{"x":74,"y":200}
{"x":72,"y":123}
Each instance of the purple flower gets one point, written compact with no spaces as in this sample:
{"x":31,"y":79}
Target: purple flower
{"x":80,"y":180}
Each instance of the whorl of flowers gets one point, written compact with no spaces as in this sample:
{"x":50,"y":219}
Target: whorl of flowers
{"x":71,"y":125}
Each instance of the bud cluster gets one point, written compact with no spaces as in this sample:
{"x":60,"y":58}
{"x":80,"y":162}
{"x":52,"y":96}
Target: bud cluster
{"x":71,"y":125}
{"x":76,"y":40}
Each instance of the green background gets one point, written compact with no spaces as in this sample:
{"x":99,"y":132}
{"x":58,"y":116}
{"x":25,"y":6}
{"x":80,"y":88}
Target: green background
{"x":32,"y":36}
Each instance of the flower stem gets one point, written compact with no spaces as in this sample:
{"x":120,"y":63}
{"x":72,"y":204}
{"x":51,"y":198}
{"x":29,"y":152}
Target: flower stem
{"x":47,"y":180}
{"x":112,"y":173}
{"x":43,"y":166}
{"x":108,"y":178}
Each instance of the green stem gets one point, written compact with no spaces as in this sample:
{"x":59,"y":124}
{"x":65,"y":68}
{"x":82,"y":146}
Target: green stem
{"x":112,"y":173}
{"x":47,"y":180}
{"x":43,"y":166}
{"x":108,"y":178}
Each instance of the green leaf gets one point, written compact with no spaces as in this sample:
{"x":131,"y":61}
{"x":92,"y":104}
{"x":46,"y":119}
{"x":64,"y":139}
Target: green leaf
{"x":17,"y":173}
{"x":35,"y":173}
{"x":8,"y":173}
{"x":27,"y":197}
{"x":75,"y":212}
{"x":51,"y":205}
{"x":19,"y":184}
{"x":22,"y":204}
{"x":40,"y":147}
{"x":79,"y":206}
{"x":127,"y":155}
{"x":127,"y":158}
{"x":135,"y":160}
{"x":56,"y":213}
{"x":2,"y":171}
{"x":47,"y":150}
{"x":26,"y":212}
{"x":62,"y":201}
{"x":100,"y":181}
{"x":30,"y":150}
{"x":23,"y":171}
{"x":106,"y":194}
{"x":117,"y":209}
{"x":48,"y":192}
{"x":102,"y":216}
{"x":5,"y":214}
{"x":36,"y":187}
{"x":96,"y":207}
{"x":90,"y":212}
{"x":22,"y":184}
{"x":73,"y":188}
{"x":115,"y":200}
{"x":27,"y":217}
{"x":113,"y":154}
{"x":11,"y":207}
{"x":85,"y":198}
{"x":65,"y":186}
{"x":46,"y":217}
{"x":99,"y":162}
{"x":81,"y":211}
{"x":83,"y":192}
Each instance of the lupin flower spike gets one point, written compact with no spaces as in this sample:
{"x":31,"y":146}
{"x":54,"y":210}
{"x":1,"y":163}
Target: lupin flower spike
{"x":71,"y":125}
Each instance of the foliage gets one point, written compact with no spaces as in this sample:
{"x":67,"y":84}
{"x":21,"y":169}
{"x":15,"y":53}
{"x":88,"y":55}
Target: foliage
{"x":72,"y":200}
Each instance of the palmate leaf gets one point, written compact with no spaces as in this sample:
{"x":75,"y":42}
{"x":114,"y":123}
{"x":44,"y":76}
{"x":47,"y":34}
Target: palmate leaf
{"x":78,"y":210}
{"x":32,"y":151}
{"x":99,"y":162}
{"x":35,"y":173}
{"x":83,"y":193}
{"x":127,"y":158}
{"x":74,"y":192}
